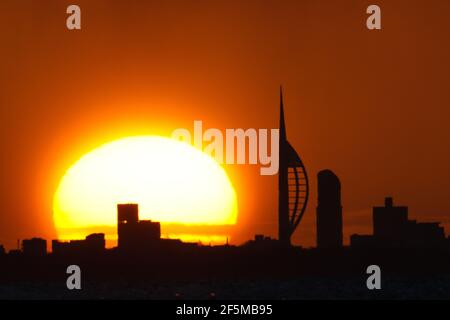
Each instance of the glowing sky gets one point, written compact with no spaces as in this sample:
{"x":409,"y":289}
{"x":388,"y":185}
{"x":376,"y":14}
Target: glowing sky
{"x":371,"y":106}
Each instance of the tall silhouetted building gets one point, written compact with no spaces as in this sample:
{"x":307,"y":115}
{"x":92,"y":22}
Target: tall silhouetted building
{"x":293,"y":189}
{"x":34,"y":247}
{"x":132,"y":233}
{"x":127,"y":213}
{"x":329,"y":211}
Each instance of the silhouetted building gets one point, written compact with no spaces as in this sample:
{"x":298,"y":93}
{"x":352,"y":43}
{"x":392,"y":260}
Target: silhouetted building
{"x":425,"y":234}
{"x":392,"y":229}
{"x":329,"y":211}
{"x":34,"y":247}
{"x":96,"y":241}
{"x":2,"y":250}
{"x":14,"y":252}
{"x":293,"y":189}
{"x":362,"y":241}
{"x":261,"y":238}
{"x":389,"y":222}
{"x":93,"y":244}
{"x":262,"y":243}
{"x":132,"y":233}
{"x":128,"y":213}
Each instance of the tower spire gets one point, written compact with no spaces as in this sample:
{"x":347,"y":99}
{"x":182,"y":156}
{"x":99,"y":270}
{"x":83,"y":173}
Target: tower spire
{"x":283,"y":188}
{"x":282,"y":123}
{"x":293,"y":187}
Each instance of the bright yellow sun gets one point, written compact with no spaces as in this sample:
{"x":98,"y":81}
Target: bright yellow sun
{"x":170,"y":180}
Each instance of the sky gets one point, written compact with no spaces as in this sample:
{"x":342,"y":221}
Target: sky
{"x":373,"y":106}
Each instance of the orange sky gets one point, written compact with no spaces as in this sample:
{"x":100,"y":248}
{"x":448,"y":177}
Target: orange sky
{"x":371,"y":105}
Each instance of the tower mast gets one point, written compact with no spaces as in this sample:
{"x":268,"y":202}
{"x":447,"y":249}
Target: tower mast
{"x":283,"y":188}
{"x":293,"y":187}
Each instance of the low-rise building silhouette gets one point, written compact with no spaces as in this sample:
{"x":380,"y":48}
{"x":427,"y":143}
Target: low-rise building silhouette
{"x":35,"y":247}
{"x":390,"y":222}
{"x":92,"y":244}
{"x":428,"y":234}
{"x":363,"y":241}
{"x":15,"y":252}
{"x":263,"y":243}
{"x":392,"y":229}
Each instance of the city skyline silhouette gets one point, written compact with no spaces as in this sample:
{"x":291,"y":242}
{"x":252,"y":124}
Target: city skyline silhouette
{"x":391,"y":226}
{"x":357,"y":100}
{"x":400,"y":245}
{"x":312,"y":157}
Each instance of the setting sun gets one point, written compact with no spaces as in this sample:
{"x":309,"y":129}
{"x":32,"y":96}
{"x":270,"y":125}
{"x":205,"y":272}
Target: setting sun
{"x":170,"y":180}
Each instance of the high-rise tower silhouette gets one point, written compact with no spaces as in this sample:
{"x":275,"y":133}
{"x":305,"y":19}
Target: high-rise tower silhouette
{"x":329,"y":210}
{"x":135,"y":234}
{"x":293,"y":189}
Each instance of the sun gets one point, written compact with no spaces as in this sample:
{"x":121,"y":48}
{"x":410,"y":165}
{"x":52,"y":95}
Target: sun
{"x":172,"y":182}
